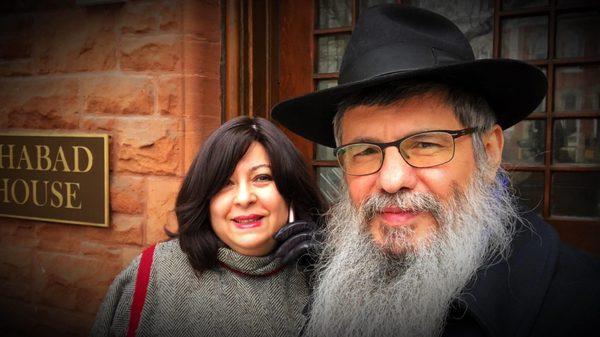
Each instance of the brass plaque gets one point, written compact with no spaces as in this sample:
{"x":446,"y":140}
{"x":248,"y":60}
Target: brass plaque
{"x":54,"y":177}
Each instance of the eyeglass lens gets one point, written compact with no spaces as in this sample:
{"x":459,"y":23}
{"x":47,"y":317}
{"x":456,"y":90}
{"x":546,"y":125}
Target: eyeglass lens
{"x":421,"y":150}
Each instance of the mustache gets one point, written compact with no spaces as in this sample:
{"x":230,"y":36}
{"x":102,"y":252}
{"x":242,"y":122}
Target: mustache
{"x":415,"y":202}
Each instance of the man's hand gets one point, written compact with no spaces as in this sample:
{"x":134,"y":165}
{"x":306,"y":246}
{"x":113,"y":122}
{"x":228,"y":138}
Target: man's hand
{"x":299,"y":240}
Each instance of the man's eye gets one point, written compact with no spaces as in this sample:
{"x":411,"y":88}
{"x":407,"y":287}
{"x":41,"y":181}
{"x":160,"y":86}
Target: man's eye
{"x":366,"y":152}
{"x":426,"y":145}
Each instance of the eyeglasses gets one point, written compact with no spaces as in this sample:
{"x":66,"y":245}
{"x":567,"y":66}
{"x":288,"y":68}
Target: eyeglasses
{"x":423,"y":149}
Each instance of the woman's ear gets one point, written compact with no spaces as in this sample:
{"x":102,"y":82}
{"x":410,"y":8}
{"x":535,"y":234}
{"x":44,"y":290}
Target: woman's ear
{"x":493,"y":142}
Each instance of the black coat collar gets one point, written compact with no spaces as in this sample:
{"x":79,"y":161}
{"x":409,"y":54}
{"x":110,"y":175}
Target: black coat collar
{"x":505,"y":298}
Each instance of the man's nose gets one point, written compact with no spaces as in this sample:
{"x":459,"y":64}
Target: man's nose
{"x":244,"y":195}
{"x":396,"y":173}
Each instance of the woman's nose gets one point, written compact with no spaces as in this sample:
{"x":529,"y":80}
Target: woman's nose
{"x":244,"y":195}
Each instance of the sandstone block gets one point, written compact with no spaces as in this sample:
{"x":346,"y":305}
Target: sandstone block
{"x":65,"y":281}
{"x":40,"y":103}
{"x":15,"y":290}
{"x":19,"y":317}
{"x":202,"y":18}
{"x":202,"y":96}
{"x":15,"y":264}
{"x":16,"y":67}
{"x":118,"y":95}
{"x":57,"y":322}
{"x":139,"y":17}
{"x":202,"y":57}
{"x":198,"y":130}
{"x":15,"y":47}
{"x":170,"y":16}
{"x":162,"y":193}
{"x":170,"y":100}
{"x":142,"y":144}
{"x":124,"y":229}
{"x":127,"y":194}
{"x":151,"y":53}
{"x":76,"y":40}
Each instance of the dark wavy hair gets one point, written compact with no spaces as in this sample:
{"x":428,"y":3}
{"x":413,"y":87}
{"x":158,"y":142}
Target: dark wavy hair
{"x":213,"y":166}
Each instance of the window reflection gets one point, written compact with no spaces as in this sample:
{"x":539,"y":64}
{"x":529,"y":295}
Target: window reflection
{"x":576,"y":141}
{"x":529,"y":188}
{"x":525,"y":38}
{"x":524,"y":143}
{"x":577,"y":34}
{"x":335,"y":13}
{"x":576,"y":194}
{"x":331,"y":50}
{"x":577,"y":88}
{"x":329,"y":180}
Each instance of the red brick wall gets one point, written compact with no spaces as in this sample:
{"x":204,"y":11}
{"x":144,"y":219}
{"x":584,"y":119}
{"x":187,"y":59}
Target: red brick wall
{"x":146,"y":73}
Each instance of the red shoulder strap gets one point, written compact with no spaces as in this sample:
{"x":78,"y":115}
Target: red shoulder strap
{"x":140,"y":290}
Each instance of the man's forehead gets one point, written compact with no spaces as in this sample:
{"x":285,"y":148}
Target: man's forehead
{"x":414,"y":114}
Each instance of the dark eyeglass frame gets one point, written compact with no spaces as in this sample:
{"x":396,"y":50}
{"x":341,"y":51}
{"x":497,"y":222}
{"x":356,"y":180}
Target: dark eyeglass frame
{"x":382,"y":146}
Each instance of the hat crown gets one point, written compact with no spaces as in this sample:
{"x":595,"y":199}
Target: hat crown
{"x":392,"y":38}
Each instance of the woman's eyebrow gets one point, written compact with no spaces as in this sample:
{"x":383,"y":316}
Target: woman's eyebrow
{"x":254,"y":168}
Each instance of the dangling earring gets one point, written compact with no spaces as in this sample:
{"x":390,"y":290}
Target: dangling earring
{"x":291,"y":215}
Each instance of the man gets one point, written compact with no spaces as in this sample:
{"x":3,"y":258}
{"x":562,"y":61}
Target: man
{"x":427,"y":239}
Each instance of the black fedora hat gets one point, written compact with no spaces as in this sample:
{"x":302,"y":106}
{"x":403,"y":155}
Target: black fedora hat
{"x":395,"y":43}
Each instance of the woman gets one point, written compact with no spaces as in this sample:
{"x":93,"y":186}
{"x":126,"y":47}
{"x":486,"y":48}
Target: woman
{"x":218,"y":275}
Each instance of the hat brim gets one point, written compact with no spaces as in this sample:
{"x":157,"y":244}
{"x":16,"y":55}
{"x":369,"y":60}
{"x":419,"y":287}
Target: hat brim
{"x":512,"y":88}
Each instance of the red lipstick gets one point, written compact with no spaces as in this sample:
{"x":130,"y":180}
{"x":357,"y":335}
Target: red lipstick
{"x":247,"y":221}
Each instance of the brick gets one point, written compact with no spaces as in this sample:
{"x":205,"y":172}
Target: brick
{"x":202,"y":57}
{"x":16,"y":24}
{"x":142,"y":144}
{"x":76,"y":40}
{"x":40,"y":103}
{"x":17,"y":233}
{"x":151,"y":53}
{"x":127,"y":194}
{"x":202,"y":18}
{"x":170,"y":99}
{"x":118,"y":95}
{"x":162,"y":193}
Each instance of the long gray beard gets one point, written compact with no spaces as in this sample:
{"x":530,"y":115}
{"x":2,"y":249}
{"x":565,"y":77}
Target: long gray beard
{"x":369,"y":289}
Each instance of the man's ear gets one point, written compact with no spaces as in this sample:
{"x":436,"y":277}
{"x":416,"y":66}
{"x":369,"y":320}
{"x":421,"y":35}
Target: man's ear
{"x":493,"y":142}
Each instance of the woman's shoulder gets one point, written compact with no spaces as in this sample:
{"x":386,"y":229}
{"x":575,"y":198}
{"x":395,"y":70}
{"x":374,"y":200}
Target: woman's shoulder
{"x":170,"y":260}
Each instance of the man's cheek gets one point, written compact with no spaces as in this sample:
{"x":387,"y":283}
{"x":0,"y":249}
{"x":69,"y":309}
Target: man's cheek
{"x":359,"y":188}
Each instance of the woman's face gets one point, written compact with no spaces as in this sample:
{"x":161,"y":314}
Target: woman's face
{"x":248,"y":211}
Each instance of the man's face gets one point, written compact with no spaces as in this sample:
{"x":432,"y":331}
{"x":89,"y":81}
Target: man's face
{"x":389,"y":123}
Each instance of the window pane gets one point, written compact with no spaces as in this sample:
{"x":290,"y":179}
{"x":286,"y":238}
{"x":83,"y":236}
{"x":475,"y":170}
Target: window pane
{"x":474,"y":18}
{"x":335,"y":13}
{"x":329,"y":180}
{"x":577,"y":34}
{"x":575,"y":194}
{"x":576,"y":141}
{"x":325,"y":153}
{"x":525,"y":38}
{"x":325,"y":84}
{"x":524,"y":143}
{"x":331,"y":50}
{"x":513,"y":4}
{"x":529,"y":187}
{"x":577,"y":88}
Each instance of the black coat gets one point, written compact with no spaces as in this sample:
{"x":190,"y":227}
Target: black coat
{"x":545,"y":288}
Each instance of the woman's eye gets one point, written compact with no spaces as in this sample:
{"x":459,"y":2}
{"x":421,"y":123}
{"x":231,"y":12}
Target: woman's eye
{"x":263,"y":177}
